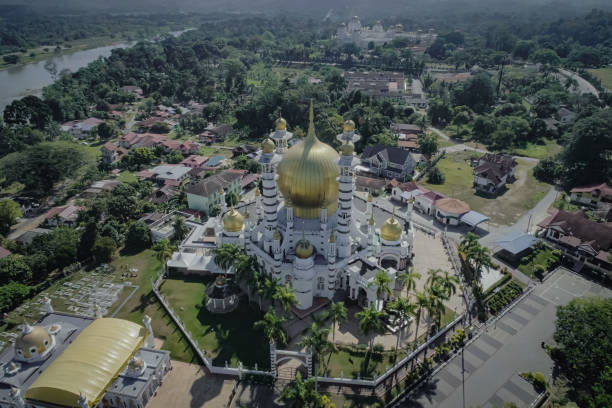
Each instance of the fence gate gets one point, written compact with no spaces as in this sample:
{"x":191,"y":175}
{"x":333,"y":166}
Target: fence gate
{"x":288,"y":373}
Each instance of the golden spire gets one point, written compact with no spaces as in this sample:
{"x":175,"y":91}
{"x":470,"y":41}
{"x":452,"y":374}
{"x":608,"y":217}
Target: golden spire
{"x":371,"y":220}
{"x":311,"y":130}
{"x":393,"y":213}
{"x":370,"y":197}
{"x":332,"y":237}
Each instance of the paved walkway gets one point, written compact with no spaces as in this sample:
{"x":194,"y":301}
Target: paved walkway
{"x":511,"y":346}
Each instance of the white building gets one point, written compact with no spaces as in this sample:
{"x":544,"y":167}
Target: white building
{"x":306,"y":231}
{"x":355,"y":32}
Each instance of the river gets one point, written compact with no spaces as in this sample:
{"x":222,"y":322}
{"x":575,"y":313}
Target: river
{"x":30,"y":79}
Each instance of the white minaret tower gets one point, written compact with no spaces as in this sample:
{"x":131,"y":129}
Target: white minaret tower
{"x":47,"y":307}
{"x":150,"y":340}
{"x":281,"y":135}
{"x":276,"y":252}
{"x":345,"y":198}
{"x":258,"y":206}
{"x":371,"y":231}
{"x":268,"y":161}
{"x":331,"y":264}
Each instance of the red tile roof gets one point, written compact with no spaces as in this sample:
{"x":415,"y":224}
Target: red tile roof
{"x":599,"y":189}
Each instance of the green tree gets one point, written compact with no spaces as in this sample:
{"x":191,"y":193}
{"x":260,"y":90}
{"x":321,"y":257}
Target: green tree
{"x":435,"y":176}
{"x":316,"y":340}
{"x":14,"y":268}
{"x":408,"y":280}
{"x":88,"y":238}
{"x":106,"y":131}
{"x":272,"y":326}
{"x":12,"y":294}
{"x":428,"y":143}
{"x":337,"y":312}
{"x":383,"y":290}
{"x":545,"y":56}
{"x":9,"y":213}
{"x":439,"y":112}
{"x":231,"y":199}
{"x":215,"y":210}
{"x":301,"y":393}
{"x":180,"y":229}
{"x":225,"y":255}
{"x":286,"y":298}
{"x":422,"y":302}
{"x":163,"y":252}
{"x":370,"y":322}
{"x":104,"y":249}
{"x":404,"y":310}
{"x":478,"y":93}
{"x":137,"y":237}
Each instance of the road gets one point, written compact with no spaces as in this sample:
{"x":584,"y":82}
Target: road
{"x":584,"y":86}
{"x":511,"y":346}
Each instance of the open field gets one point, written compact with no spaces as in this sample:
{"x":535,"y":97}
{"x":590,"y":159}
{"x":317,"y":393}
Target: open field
{"x":522,"y":195}
{"x":538,"y":151}
{"x":604,"y":75}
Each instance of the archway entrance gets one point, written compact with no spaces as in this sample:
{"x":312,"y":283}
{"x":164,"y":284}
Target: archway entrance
{"x":389,"y":262}
{"x":362,"y":298}
{"x":288,"y":367}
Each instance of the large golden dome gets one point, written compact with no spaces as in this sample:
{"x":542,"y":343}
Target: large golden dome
{"x":233,"y":221}
{"x":307,"y":175}
{"x":33,"y":340}
{"x":391,"y":229}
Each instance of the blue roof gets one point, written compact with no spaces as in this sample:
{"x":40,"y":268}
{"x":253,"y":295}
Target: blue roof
{"x":473,"y":218}
{"x":214,"y":161}
{"x":516,"y":242}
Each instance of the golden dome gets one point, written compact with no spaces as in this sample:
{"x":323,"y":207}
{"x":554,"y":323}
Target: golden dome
{"x":370,"y":198}
{"x":268,"y":146}
{"x":349,"y":126}
{"x":347,"y":149}
{"x":391,"y":229}
{"x":304,"y":248}
{"x":307,"y":175}
{"x":233,"y":221}
{"x":281,"y":124}
{"x":33,"y":340}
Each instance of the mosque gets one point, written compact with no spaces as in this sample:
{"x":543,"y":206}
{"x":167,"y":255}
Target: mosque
{"x":355,"y":32}
{"x":306,"y":231}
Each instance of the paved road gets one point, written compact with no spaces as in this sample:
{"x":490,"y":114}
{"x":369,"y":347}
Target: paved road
{"x":584,"y":86}
{"x":492,"y":363}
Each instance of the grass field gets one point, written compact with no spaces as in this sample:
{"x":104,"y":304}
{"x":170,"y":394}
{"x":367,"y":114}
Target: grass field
{"x":538,"y":151}
{"x":521,"y":195}
{"x":604,"y":74}
{"x":225,"y":337}
{"x":127,"y":177}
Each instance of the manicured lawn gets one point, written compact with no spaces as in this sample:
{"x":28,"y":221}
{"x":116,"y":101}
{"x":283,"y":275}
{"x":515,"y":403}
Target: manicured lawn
{"x":351,"y":362}
{"x":127,"y":177}
{"x":521,"y":195}
{"x":541,"y":256}
{"x":604,"y":74}
{"x":213,"y":151}
{"x":226,"y":337}
{"x":539,"y":151}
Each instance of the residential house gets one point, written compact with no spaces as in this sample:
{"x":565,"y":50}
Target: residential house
{"x":566,"y":116}
{"x":587,"y":243}
{"x":406,"y":191}
{"x":149,"y":140}
{"x":409,"y":142}
{"x":493,"y":172}
{"x":425,"y":202}
{"x":194,"y":161}
{"x":64,"y":215}
{"x":4,"y":252}
{"x":205,"y":194}
{"x":112,"y":152}
{"x":81,"y":129}
{"x":215,"y":161}
{"x":134,"y":90}
{"x":371,"y":185}
{"x":27,"y":237}
{"x":388,"y":161}
{"x":249,"y":181}
{"x":163,"y":194}
{"x":100,"y":186}
{"x":169,"y":174}
{"x":189,"y":147}
{"x":450,"y":210}
{"x":599,"y":195}
{"x":244,"y":150}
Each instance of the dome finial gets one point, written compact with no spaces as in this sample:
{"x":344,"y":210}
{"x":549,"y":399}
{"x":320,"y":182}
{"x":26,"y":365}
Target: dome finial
{"x":311,"y":129}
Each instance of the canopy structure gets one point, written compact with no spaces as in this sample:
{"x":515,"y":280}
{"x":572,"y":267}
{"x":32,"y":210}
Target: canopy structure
{"x":90,"y":364}
{"x":516,"y":242}
{"x":473,"y":218}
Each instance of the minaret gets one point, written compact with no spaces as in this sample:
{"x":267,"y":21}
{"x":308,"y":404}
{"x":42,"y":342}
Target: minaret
{"x":258,"y":206}
{"x":150,"y":340}
{"x":371,"y":231}
{"x":268,"y":162}
{"x":281,"y":136}
{"x":346,"y":163}
{"x":276,"y":252}
{"x":48,"y":308}
{"x":331,"y":264}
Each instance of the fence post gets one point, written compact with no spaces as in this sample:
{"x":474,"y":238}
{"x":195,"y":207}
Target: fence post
{"x":273,"y":358}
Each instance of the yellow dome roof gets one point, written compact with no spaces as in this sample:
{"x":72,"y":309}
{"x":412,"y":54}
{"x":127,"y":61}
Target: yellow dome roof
{"x":391,"y":229}
{"x":268,"y":146}
{"x":349,"y":126}
{"x":281,"y":124}
{"x":347,"y":149}
{"x":307,"y":175}
{"x":233,"y":221}
{"x":304,"y":248}
{"x":33,"y":338}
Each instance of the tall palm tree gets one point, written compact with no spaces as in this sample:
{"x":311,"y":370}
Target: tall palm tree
{"x":433,"y":277}
{"x":370,"y":321}
{"x":337,"y":312}
{"x":316,"y":339}
{"x":272,"y":326}
{"x":481,"y":257}
{"x":225,"y":255}
{"x":301,"y":393}
{"x":404,"y":309}
{"x":408,"y":280}
{"x":382,"y":282}
{"x":448,"y":284}
{"x":469,"y":241}
{"x":285,"y":296}
{"x":422,"y":303}
{"x":163,"y":252}
{"x":268,"y":289}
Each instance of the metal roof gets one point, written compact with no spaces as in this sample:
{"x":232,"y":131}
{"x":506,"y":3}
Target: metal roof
{"x":90,"y":364}
{"x":516,"y":242}
{"x":473,"y":218}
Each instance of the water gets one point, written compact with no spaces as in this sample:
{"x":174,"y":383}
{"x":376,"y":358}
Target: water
{"x":30,"y":79}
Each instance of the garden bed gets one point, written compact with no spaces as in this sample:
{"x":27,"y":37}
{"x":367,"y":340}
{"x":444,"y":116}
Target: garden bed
{"x":504,"y":296}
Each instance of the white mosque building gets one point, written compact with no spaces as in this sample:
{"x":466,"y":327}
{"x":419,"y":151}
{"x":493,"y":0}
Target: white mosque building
{"x":355,"y":32}
{"x":306,"y":231}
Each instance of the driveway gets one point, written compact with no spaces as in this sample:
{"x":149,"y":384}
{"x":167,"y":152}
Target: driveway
{"x":493,"y":362}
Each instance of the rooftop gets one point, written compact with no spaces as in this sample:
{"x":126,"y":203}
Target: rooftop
{"x":212,"y":184}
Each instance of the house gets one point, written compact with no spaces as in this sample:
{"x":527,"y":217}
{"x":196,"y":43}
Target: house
{"x":27,"y":237}
{"x":100,"y":186}
{"x":399,"y":129}
{"x":244,"y":149}
{"x":205,"y":194}
{"x":249,"y":181}
{"x":207,"y":137}
{"x":64,"y":215}
{"x":81,"y":129}
{"x":406,"y":191}
{"x":194,"y":161}
{"x":134,"y":90}
{"x":163,"y":228}
{"x":493,"y":172}
{"x":566,"y":116}
{"x":146,"y":124}
{"x":369,"y":184}
{"x":587,"y":243}
{"x":111,"y":152}
{"x":149,"y":140}
{"x":189,"y":147}
{"x":450,"y":210}
{"x":163,"y":194}
{"x":410,"y":142}
{"x":169,"y":174}
{"x":4,"y":252}
{"x":215,"y":161}
{"x":598,"y":195}
{"x":388,"y":161}
{"x":216,"y":133}
{"x":425,"y":202}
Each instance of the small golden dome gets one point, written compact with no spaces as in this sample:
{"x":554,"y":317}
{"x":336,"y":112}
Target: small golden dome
{"x":371,"y":220}
{"x":281,"y":124}
{"x":277,"y":235}
{"x":347,"y":149}
{"x":349,"y":126}
{"x":370,"y":198}
{"x":233,"y":221}
{"x":304,"y":248}
{"x":332,"y":237}
{"x":391,"y":229}
{"x":33,"y":340}
{"x":268,"y":146}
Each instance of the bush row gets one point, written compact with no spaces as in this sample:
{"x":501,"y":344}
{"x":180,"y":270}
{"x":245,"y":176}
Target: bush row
{"x":504,"y":297}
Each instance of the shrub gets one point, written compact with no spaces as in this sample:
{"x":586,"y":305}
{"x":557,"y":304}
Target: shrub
{"x":435,"y":176}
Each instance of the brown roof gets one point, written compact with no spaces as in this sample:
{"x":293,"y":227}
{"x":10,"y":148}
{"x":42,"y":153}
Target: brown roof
{"x":407,"y":144}
{"x":490,"y":171}
{"x":452,"y":206}
{"x":408,"y":186}
{"x":599,"y":189}
{"x":368,"y":182}
{"x":214,"y":183}
{"x":504,"y":160}
{"x":578,"y":225}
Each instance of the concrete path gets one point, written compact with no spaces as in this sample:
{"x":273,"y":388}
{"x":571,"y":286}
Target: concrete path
{"x":584,"y":86}
{"x":512,"y":345}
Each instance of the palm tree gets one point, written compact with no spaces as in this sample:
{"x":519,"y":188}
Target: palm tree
{"x":404,"y":309}
{"x":481,"y":257}
{"x":268,"y":289}
{"x":381,"y":281}
{"x":337,"y":312}
{"x":316,"y":339}
{"x":408,"y":280}
{"x":448,"y":284}
{"x":246,"y":267}
{"x":469,"y":240}
{"x":285,"y":295}
{"x":422,"y":303}
{"x":301,"y":393}
{"x":225,"y":255}
{"x":163,"y":252}
{"x":272,"y":326}
{"x":370,"y":321}
{"x":433,"y":278}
